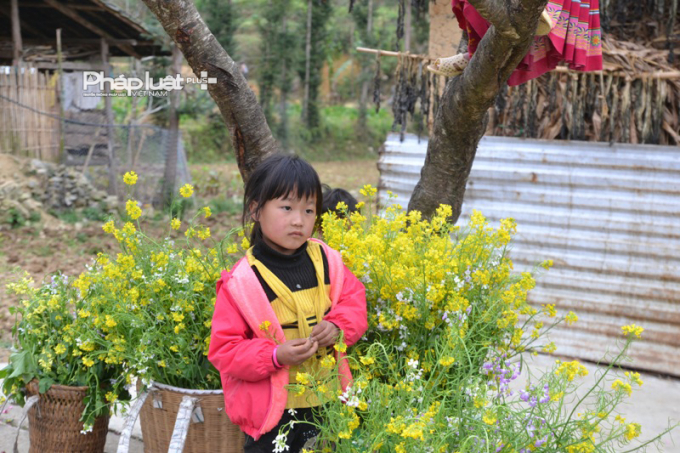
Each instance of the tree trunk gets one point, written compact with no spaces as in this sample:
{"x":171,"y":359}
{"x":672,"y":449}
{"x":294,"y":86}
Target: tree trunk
{"x":365,"y":84}
{"x":461,"y":120}
{"x":308,"y":52}
{"x":250,"y":134}
{"x":407,"y":27}
{"x":170,"y":173}
{"x":283,"y":95}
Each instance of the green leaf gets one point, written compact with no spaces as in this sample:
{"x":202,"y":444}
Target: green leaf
{"x":22,"y":363}
{"x":45,"y":383}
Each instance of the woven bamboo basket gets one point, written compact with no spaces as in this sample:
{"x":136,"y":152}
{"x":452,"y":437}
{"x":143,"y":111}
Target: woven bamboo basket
{"x":214,"y":434}
{"x":54,"y":423}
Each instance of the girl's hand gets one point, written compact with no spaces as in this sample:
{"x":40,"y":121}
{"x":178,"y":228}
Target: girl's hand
{"x":326,"y":333}
{"x":294,"y":352}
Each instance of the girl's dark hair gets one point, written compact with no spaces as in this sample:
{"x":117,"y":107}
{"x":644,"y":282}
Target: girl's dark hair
{"x":331,"y":198}
{"x":277,"y":176}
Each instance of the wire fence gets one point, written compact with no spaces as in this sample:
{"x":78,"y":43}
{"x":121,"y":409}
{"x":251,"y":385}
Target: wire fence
{"x":90,"y":143}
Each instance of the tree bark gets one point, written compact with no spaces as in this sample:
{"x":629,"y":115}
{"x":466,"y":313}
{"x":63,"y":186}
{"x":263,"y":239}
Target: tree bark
{"x":250,"y":133}
{"x":461,"y":120}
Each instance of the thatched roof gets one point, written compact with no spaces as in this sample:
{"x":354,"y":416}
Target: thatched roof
{"x":83,"y":23}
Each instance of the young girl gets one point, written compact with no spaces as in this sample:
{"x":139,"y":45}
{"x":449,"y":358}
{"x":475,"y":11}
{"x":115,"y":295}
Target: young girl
{"x":282,"y":307}
{"x":568,"y":30}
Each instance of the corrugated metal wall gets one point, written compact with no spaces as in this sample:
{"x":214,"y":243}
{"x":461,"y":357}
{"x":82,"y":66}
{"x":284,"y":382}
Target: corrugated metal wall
{"x":609,"y":218}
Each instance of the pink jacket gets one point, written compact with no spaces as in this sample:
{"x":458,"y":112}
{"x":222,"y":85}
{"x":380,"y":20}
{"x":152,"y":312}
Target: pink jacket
{"x":254,"y":390}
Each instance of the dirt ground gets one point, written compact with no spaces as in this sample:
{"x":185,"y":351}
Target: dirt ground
{"x":56,"y":246}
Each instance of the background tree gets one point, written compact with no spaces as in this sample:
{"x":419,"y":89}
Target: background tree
{"x":276,"y":67}
{"x":222,"y":20}
{"x":363,"y":18}
{"x":458,"y":125}
{"x":316,"y":52}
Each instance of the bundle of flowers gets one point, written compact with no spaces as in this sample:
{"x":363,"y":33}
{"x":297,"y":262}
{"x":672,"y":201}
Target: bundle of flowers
{"x":64,"y":338}
{"x":163,"y":293}
{"x":448,"y":322}
{"x":145,"y":312}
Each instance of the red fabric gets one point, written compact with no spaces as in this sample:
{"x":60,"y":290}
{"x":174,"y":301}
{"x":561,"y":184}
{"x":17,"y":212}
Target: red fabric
{"x":254,"y":389}
{"x":575,"y":39}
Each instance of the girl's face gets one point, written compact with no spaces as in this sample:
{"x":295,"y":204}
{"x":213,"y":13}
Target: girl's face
{"x":287,"y":222}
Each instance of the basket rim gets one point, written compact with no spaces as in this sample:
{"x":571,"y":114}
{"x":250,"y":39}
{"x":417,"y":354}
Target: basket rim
{"x":160,"y":386}
{"x":73,"y":388}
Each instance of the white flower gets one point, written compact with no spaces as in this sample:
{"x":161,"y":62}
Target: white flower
{"x":292,"y":411}
{"x":280,"y":443}
{"x":413,"y":364}
{"x":349,"y":397}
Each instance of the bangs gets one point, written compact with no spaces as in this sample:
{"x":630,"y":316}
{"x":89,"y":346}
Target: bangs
{"x":291,"y":177}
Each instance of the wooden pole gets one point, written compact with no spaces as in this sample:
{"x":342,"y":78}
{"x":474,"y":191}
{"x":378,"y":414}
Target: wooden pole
{"x":132,"y":117}
{"x":17,"y":51}
{"x":113,"y":175}
{"x":661,"y":75}
{"x":170,"y":173}
{"x":60,"y":98}
{"x":16,"y":34}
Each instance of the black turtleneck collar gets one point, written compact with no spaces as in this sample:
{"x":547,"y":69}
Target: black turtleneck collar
{"x":270,"y":257}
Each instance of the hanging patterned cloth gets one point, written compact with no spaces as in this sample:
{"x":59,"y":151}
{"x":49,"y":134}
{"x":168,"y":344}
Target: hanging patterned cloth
{"x":574,"y":38}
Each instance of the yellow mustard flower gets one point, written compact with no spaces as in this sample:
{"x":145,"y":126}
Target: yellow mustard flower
{"x":571,"y":369}
{"x":132,"y":209}
{"x":368,"y":190}
{"x":634,"y":377}
{"x":446,"y":361}
{"x":328,"y":362}
{"x":632,"y":330}
{"x":571,"y":318}
{"x":367,"y":360}
{"x":186,"y":190}
{"x":109,"y":227}
{"x":203,"y":233}
{"x":623,"y":386}
{"x":489,"y":418}
{"x":130,"y":178}
{"x":303,"y":378}
{"x":633,"y":430}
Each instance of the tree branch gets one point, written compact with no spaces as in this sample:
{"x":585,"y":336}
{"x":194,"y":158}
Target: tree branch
{"x":250,"y":133}
{"x":461,"y":120}
{"x":494,"y":12}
